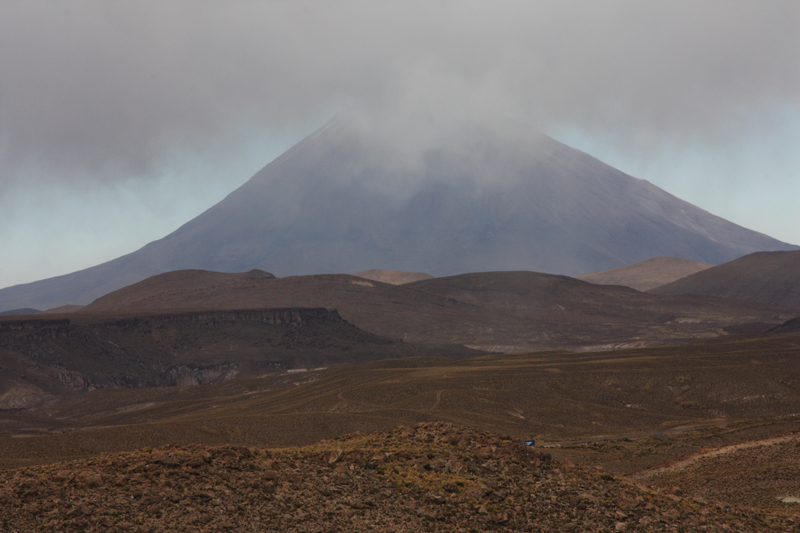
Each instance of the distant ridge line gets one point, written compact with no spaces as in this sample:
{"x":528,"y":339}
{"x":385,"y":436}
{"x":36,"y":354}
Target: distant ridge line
{"x":647,"y":274}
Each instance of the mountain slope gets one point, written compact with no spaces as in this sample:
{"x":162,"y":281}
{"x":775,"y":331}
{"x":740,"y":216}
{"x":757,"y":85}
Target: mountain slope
{"x":647,"y":274}
{"x":766,"y":277}
{"x":443,"y":200}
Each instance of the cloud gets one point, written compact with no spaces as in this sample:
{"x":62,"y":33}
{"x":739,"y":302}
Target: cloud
{"x":94,"y":94}
{"x":108,"y":89}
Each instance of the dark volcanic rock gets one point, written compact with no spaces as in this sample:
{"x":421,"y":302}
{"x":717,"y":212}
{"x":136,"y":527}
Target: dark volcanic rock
{"x":42,"y":360}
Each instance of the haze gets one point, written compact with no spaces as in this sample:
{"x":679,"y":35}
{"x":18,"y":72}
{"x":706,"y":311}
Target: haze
{"x":120,"y":121}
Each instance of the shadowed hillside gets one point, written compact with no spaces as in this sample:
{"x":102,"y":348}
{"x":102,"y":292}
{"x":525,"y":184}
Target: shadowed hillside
{"x":790,"y":326}
{"x":767,"y":277}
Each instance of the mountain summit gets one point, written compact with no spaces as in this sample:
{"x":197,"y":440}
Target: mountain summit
{"x":468,"y":197}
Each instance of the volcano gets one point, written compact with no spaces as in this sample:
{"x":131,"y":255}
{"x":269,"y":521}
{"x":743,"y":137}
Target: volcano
{"x":481,"y":196}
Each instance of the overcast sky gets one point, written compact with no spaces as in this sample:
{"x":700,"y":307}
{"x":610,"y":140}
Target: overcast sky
{"x":121,"y":121}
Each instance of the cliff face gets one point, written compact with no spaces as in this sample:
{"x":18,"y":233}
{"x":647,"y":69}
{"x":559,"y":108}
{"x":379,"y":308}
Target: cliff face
{"x":44,"y":360}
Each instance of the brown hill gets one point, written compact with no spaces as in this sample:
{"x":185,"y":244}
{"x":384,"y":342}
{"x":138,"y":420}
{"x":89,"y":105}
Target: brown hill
{"x":23,"y":311}
{"x":766,"y":277}
{"x":380,"y":308}
{"x":416,"y":479}
{"x":494,"y":311}
{"x":204,"y":327}
{"x":394,"y":277}
{"x":559,"y":308}
{"x":647,"y":274}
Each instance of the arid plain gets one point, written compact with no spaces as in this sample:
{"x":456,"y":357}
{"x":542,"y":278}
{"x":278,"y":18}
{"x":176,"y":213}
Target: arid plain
{"x":649,"y":412}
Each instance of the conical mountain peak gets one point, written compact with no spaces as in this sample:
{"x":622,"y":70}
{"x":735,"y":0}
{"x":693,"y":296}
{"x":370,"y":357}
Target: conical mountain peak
{"x":420,"y":194}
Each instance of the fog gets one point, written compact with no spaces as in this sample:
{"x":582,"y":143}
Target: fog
{"x":119,"y":121}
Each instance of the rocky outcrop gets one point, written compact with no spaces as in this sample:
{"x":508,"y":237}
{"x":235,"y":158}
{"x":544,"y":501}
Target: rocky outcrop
{"x":24,"y":396}
{"x":194,"y":375}
{"x":73,"y":379}
{"x":34,"y":328}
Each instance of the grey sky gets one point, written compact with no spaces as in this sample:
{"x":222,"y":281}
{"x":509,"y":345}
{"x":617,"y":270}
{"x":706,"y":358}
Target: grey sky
{"x":120,"y":121}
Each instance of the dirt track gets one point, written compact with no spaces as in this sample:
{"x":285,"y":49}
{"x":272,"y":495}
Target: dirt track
{"x":707,"y":454}
{"x":659,"y":434}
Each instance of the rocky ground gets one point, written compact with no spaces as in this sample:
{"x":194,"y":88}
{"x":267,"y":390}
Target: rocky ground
{"x":763,"y":473}
{"x":431,"y":477}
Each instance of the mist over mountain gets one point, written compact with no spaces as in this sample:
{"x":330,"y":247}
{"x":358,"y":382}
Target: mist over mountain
{"x":411,"y":194}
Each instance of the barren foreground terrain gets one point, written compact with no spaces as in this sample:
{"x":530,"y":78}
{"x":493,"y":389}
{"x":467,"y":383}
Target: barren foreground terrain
{"x":188,"y":415}
{"x":430,"y":477}
{"x":695,"y":438}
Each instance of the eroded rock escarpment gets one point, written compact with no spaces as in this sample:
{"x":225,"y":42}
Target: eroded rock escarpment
{"x":42,"y":361}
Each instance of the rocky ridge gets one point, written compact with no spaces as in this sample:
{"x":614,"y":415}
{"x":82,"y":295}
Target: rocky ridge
{"x":423,"y":478}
